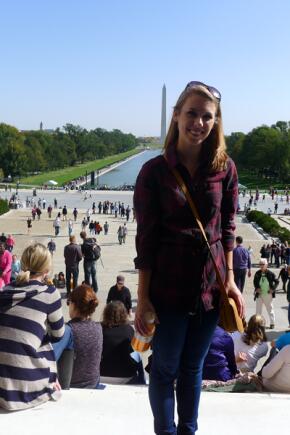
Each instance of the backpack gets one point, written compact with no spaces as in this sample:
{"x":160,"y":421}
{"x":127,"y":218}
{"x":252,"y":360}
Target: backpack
{"x":92,"y":251}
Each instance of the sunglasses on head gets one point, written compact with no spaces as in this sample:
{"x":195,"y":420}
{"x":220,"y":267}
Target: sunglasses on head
{"x":211,"y":89}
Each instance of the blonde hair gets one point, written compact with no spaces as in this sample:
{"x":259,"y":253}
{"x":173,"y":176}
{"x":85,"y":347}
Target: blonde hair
{"x":35,"y":260}
{"x":255,"y":330}
{"x":213,"y":155}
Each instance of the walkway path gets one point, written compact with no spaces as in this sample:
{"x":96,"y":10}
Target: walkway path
{"x":124,"y":410}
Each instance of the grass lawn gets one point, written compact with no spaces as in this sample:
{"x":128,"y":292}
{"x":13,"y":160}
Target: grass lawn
{"x":63,"y":176}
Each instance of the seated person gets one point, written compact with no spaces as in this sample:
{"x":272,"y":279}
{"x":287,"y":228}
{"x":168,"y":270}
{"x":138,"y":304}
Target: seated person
{"x":84,"y":336}
{"x":59,"y":280}
{"x":120,"y":293}
{"x":281,"y":341}
{"x":15,"y":267}
{"x":30,"y":319}
{"x":118,"y":358}
{"x":220,"y":363}
{"x":251,"y":345}
{"x":276,"y":374}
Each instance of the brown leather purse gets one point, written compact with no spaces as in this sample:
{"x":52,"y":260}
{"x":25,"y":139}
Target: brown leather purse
{"x":229,"y":320}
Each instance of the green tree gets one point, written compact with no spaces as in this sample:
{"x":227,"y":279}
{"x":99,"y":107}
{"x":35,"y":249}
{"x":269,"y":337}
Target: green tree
{"x":12,"y":151}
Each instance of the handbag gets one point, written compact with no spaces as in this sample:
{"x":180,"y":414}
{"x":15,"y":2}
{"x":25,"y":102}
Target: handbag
{"x":229,"y":318}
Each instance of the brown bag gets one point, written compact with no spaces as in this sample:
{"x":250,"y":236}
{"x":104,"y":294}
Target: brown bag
{"x":230,"y":320}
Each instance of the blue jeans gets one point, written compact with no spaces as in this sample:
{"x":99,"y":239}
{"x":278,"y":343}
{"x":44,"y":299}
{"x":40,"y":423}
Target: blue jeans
{"x":180,"y":344}
{"x":90,"y":271}
{"x":240,"y":278}
{"x":66,"y":342}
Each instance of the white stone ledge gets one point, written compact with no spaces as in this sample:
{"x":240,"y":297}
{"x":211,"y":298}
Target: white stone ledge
{"x":125,"y":410}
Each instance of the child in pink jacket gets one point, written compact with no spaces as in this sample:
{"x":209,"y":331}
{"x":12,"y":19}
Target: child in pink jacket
{"x":5,"y":265}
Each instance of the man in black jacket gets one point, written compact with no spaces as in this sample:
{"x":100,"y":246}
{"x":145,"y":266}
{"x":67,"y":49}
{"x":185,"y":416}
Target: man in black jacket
{"x":265,"y":283}
{"x":91,"y":252}
{"x":120,"y":293}
{"x":72,"y":256}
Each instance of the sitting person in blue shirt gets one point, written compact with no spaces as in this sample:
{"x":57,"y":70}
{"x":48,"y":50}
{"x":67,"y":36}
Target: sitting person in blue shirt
{"x":281,"y":341}
{"x":220,"y":362}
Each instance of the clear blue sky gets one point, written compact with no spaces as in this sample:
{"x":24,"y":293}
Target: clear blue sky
{"x":103,"y":64}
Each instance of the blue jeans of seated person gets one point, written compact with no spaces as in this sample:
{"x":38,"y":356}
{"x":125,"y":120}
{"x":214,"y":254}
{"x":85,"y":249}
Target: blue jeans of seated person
{"x":180,"y":344}
{"x":66,"y":342}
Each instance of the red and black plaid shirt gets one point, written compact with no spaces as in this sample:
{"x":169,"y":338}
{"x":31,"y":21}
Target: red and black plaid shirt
{"x":168,"y":241}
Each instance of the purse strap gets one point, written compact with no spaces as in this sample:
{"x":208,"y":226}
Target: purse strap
{"x":183,"y":187}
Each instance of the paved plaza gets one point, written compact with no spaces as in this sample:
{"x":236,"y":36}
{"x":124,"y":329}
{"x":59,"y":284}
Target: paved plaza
{"x":125,"y":409}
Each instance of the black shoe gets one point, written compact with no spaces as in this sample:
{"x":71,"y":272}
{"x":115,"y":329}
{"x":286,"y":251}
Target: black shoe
{"x":272,"y":326}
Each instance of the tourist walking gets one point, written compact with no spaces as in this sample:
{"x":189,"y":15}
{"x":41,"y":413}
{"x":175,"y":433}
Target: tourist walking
{"x":177,"y":281}
{"x":72,"y":256}
{"x":64,"y":213}
{"x":38,"y":212}
{"x":91,"y":252}
{"x":56,"y":225}
{"x":241,"y":263}
{"x":120,"y":234}
{"x":125,"y":232}
{"x":283,"y":274}
{"x":70,"y":227}
{"x":106,"y":228}
{"x":29,"y":225}
{"x":265,"y":283}
{"x":49,"y":211}
{"x":75,"y":214}
{"x":51,"y":246}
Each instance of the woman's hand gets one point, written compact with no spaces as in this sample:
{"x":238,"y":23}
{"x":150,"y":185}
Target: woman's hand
{"x":241,"y":357}
{"x":144,"y":306}
{"x":233,"y":292}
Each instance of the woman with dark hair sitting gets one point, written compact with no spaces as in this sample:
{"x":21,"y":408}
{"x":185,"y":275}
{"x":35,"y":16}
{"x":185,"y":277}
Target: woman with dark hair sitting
{"x":85,"y":338}
{"x":118,"y":359}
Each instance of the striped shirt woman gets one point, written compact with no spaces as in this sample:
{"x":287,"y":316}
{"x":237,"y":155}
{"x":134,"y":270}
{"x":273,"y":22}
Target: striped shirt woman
{"x":30,"y":319}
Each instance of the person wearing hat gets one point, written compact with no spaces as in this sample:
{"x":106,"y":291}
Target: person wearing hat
{"x":120,"y":293}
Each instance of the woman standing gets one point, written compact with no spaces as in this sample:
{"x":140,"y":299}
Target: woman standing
{"x":177,"y":281}
{"x":28,"y":309}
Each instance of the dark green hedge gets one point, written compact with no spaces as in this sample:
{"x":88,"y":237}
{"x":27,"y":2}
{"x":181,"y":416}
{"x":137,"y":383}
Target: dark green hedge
{"x":269,"y":225}
{"x":4,"y":207}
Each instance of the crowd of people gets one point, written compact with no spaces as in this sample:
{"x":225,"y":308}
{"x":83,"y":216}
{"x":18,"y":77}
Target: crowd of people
{"x":185,"y":203}
{"x":276,"y":253}
{"x":31,"y":305}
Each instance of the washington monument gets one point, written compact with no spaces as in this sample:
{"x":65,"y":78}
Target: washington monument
{"x":163,"y":116}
